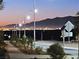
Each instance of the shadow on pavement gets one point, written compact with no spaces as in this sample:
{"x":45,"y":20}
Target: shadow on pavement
{"x":3,"y":54}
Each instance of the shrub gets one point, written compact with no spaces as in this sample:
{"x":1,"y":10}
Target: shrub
{"x":23,"y":41}
{"x":14,"y":38}
{"x":38,"y":50}
{"x":1,"y":36}
{"x":2,"y":43}
{"x":56,"y":51}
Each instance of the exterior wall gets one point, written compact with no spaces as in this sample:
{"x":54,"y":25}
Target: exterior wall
{"x":41,"y":34}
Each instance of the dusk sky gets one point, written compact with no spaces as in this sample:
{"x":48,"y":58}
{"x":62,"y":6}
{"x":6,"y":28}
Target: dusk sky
{"x":15,"y":11}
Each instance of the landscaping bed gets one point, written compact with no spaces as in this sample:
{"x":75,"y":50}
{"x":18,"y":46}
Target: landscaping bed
{"x":29,"y":50}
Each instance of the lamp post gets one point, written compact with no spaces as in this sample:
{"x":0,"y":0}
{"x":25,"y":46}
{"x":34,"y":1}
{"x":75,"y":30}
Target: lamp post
{"x":35,"y":11}
{"x":13,"y":31}
{"x":16,"y":29}
{"x":24,"y":35}
{"x":20,"y":25}
{"x":28,"y":18}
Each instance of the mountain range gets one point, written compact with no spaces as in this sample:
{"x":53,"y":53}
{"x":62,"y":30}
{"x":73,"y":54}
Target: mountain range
{"x":57,"y":22}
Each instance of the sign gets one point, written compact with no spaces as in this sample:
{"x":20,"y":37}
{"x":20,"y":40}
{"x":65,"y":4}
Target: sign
{"x":63,"y":33}
{"x":69,"y":26}
{"x":66,"y":34}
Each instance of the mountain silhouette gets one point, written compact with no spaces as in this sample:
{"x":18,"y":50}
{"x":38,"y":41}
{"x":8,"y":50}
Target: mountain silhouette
{"x":57,"y":22}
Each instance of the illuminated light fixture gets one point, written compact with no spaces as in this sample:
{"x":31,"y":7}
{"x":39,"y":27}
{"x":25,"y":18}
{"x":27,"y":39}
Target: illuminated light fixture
{"x":28,"y":17}
{"x":36,"y":10}
{"x":20,"y":25}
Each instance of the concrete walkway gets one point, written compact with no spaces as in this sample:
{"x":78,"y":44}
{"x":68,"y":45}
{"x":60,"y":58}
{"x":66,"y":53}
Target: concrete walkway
{"x":15,"y":53}
{"x":48,"y":43}
{"x":73,"y":47}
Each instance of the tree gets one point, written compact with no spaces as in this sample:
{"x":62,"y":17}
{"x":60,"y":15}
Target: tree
{"x":27,"y":43}
{"x":77,"y":24}
{"x":2,"y":44}
{"x":30,"y":42}
{"x":56,"y":51}
{"x":77,"y":30}
{"x":24,"y":41}
{"x":1,"y":4}
{"x":14,"y":38}
{"x":77,"y":13}
{"x":1,"y":1}
{"x":1,"y":36}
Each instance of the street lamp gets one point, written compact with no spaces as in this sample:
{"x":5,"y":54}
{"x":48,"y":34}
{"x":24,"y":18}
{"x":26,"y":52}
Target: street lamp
{"x":20,"y":25}
{"x":35,"y":11}
{"x":28,"y":18}
{"x":24,"y":30}
{"x":13,"y":31}
{"x":9,"y":36}
{"x":16,"y":29}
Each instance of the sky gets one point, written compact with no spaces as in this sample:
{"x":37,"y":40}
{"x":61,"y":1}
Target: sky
{"x":16,"y":11}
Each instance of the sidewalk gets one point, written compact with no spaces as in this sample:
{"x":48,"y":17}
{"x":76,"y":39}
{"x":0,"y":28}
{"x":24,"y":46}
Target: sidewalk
{"x":71,"y":48}
{"x":15,"y":53}
{"x":66,"y":44}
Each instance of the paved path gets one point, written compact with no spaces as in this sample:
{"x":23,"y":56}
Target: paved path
{"x":11,"y":48}
{"x":15,"y":53}
{"x":66,"y":44}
